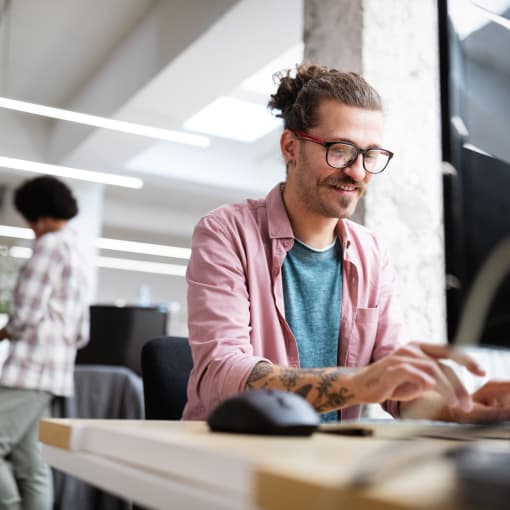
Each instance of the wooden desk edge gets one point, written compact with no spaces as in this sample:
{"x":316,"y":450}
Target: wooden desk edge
{"x":302,"y":495}
{"x":56,"y":433}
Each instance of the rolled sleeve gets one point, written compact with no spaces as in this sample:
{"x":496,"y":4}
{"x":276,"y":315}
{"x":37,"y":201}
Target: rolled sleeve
{"x":218,"y":316}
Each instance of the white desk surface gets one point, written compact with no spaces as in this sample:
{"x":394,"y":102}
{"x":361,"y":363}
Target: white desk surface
{"x":184,"y":465}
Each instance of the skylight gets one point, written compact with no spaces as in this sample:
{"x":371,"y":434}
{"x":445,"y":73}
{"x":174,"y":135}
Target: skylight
{"x":235,"y":119}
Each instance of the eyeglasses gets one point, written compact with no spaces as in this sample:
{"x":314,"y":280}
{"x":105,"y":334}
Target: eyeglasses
{"x":344,"y":154}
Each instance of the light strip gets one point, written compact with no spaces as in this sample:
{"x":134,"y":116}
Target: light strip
{"x":72,"y":173}
{"x":104,"y":243}
{"x":16,"y":232}
{"x":146,"y":248}
{"x":233,"y":118}
{"x":116,"y":263}
{"x":20,"y":252}
{"x":474,"y":148}
{"x":459,"y":126}
{"x":103,"y":122}
{"x":500,"y":20}
{"x":141,"y":265}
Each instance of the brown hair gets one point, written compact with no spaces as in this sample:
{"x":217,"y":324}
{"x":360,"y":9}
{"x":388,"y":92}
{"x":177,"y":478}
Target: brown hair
{"x":298,"y":98}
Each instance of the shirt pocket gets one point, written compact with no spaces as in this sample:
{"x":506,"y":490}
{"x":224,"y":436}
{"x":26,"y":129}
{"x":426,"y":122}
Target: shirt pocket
{"x":363,"y":337}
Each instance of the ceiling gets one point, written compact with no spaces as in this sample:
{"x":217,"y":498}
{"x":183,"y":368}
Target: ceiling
{"x":155,"y":63}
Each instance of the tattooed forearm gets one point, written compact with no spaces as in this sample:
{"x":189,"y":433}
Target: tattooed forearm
{"x":261,"y":371}
{"x":325,"y":382}
{"x":335,"y":400}
{"x":289,"y":379}
{"x":324,"y":388}
{"x":304,"y":390}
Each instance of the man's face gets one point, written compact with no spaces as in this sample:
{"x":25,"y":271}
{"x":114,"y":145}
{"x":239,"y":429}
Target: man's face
{"x":319,"y":189}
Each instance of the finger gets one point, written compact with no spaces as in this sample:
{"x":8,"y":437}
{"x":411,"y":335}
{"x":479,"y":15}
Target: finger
{"x":463,"y":397}
{"x":484,"y":414}
{"x":494,"y":393}
{"x":404,"y":381}
{"x":446,"y":384}
{"x":451,"y":387}
{"x":444,"y":352}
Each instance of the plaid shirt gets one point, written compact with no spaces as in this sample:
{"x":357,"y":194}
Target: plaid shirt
{"x":50,"y":318}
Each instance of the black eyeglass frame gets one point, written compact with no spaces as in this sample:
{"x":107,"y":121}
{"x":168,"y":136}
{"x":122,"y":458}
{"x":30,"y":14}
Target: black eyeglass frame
{"x":301,"y":135}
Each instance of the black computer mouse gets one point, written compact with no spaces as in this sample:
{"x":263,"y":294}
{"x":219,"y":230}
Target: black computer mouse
{"x":267,"y":412}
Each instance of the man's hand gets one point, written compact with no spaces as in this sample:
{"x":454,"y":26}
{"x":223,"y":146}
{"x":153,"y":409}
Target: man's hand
{"x":404,"y":375}
{"x":493,"y":394}
{"x":491,"y":403}
{"x":412,"y":370}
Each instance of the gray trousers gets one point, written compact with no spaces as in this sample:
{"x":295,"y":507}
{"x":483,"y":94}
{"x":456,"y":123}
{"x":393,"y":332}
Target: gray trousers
{"x":25,"y":481}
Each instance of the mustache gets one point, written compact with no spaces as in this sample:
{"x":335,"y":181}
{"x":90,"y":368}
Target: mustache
{"x":332,"y":181}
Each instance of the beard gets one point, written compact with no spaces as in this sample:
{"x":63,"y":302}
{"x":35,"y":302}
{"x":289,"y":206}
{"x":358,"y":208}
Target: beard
{"x":320,"y":197}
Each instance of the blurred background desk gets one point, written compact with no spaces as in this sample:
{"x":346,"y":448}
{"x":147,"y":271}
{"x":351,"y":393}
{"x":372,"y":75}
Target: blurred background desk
{"x":183,"y":465}
{"x":118,"y":333}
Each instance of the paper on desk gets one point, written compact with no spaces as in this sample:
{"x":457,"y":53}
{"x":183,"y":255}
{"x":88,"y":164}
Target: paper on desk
{"x":405,"y":429}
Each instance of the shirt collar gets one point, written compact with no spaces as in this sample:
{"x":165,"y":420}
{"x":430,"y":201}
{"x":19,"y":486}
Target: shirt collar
{"x":279,"y":224}
{"x":342,"y":230}
{"x":277,"y":217}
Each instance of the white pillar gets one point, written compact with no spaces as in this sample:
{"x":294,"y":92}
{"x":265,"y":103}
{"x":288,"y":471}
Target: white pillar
{"x":88,"y":224}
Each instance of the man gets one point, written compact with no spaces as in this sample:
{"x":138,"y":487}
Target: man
{"x":287,"y":293}
{"x":48,"y":323}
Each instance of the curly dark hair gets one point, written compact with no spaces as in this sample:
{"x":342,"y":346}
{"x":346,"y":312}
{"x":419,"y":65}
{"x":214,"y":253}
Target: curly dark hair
{"x":298,"y":97}
{"x":45,"y":196}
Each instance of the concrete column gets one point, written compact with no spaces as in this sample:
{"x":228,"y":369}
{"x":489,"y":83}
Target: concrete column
{"x":394,"y":45}
{"x":88,"y":224}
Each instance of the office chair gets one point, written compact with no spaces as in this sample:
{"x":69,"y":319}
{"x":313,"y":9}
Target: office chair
{"x":166,"y":364}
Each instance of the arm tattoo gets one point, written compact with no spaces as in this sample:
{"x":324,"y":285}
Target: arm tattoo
{"x":320,"y":386}
{"x":261,"y":371}
{"x":335,"y":400}
{"x":304,"y":390}
{"x":289,"y":379}
{"x":324,"y":384}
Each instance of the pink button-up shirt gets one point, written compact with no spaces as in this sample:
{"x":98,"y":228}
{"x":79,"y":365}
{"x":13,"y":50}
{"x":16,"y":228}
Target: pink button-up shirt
{"x":236,"y":308}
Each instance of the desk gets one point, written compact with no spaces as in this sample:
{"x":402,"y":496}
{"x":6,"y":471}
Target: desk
{"x":183,"y":465}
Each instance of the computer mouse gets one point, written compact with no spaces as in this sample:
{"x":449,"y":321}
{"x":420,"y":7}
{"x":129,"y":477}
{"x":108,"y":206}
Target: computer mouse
{"x":266,"y":412}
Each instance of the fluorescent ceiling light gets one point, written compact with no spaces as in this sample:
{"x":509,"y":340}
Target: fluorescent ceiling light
{"x":141,"y":265}
{"x":103,"y":122}
{"x":500,"y":20}
{"x":459,"y":126}
{"x":470,"y":17}
{"x":262,"y":81}
{"x":145,"y":248}
{"x":104,"y":243}
{"x":233,"y":118}
{"x":20,"y":252}
{"x":116,"y":263}
{"x":474,"y":148}
{"x":72,"y":173}
{"x":16,"y":232}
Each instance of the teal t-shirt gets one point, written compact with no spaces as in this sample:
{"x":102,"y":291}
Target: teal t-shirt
{"x":312,"y":289}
